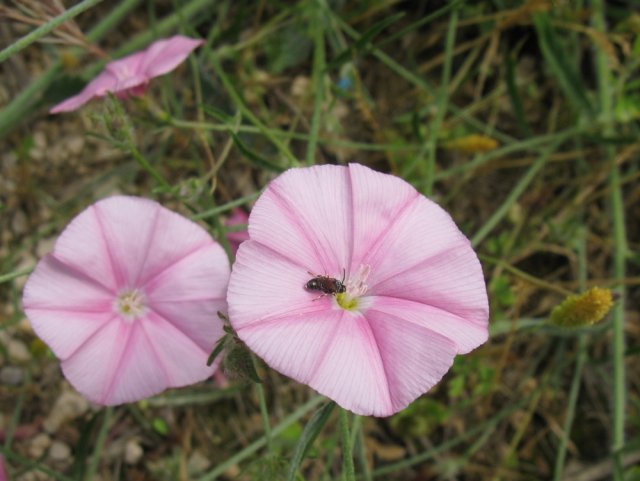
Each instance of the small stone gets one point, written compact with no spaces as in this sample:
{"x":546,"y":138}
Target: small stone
{"x":38,"y":445}
{"x":75,"y":144}
{"x":197,"y":463}
{"x":68,"y":406}
{"x":19,"y":222}
{"x":11,"y":375}
{"x":18,"y":351}
{"x":133,"y":452}
{"x":59,"y":451}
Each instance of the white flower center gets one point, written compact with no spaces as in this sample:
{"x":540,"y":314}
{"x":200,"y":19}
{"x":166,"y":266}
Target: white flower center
{"x":356,"y":287}
{"x":131,"y":304}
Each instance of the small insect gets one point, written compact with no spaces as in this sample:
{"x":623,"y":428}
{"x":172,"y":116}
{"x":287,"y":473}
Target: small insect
{"x":329,"y":286}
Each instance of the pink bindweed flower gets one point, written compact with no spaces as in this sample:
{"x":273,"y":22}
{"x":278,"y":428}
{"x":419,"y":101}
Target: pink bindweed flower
{"x":131,"y":74}
{"x":403,"y":293}
{"x":128,"y":300}
{"x":235,"y":238}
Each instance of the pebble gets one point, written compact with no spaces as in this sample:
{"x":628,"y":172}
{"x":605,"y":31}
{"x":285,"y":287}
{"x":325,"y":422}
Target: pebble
{"x":59,"y":451}
{"x":11,"y":375}
{"x":68,"y":406}
{"x":197,"y":463}
{"x":18,"y":351}
{"x":133,"y":452}
{"x":38,"y":445}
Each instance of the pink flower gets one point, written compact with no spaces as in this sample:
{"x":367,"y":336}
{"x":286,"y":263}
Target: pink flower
{"x":235,"y":238}
{"x":128,"y":300}
{"x":131,"y":74}
{"x":414,"y":293}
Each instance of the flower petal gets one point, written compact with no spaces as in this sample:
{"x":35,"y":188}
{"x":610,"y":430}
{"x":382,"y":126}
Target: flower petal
{"x":378,"y":201}
{"x":414,"y":358}
{"x":163,"y":56}
{"x":352,"y":371}
{"x":197,"y":320}
{"x":49,"y":287}
{"x":451,"y":281}
{"x":175,"y":240}
{"x":305,"y":214}
{"x":266,"y":285}
{"x":293,"y":345}
{"x":465,"y":334}
{"x":66,"y":331}
{"x":180,"y":356}
{"x":128,"y":225}
{"x":99,"y":86}
{"x":104,"y":360}
{"x":203,"y":274}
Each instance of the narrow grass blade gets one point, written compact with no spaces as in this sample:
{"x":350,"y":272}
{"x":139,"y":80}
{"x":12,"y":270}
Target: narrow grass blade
{"x":565,"y":74}
{"x":46,"y":28}
{"x":362,"y":43}
{"x":309,"y":435}
{"x":253,"y":156}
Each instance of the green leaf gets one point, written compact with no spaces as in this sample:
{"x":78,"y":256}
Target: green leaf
{"x":309,"y":435}
{"x":217,"y":350}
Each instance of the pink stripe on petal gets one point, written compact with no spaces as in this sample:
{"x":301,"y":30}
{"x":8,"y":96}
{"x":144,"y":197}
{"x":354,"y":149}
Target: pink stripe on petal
{"x":307,"y":212}
{"x":163,"y":56}
{"x":182,"y":360}
{"x":451,"y":281}
{"x":127,"y":224}
{"x":140,"y":372}
{"x":465,"y":334}
{"x":82,"y":245}
{"x":266,"y":284}
{"x":66,"y":331}
{"x":378,"y":202}
{"x":196,"y":320}
{"x":93,"y":368}
{"x":174,"y":238}
{"x":294,"y":345}
{"x":415,"y":358}
{"x":422,"y":231}
{"x":50,"y":285}
{"x":352,"y":371}
{"x":202,"y":274}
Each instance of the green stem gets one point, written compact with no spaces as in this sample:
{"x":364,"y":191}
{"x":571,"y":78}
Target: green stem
{"x":30,"y":464}
{"x":226,"y":207}
{"x":619,"y":250}
{"x":348,"y":470}
{"x":256,"y":445}
{"x":13,"y":113}
{"x":288,"y":135}
{"x":361,"y":452}
{"x":14,"y":275}
{"x":443,"y":99}
{"x":264,"y":413}
{"x":237,"y":100}
{"x":515,"y":194}
{"x":97,"y":452}
{"x":46,"y":28}
{"x":577,"y":373}
{"x":26,"y":100}
{"x":317,"y":28}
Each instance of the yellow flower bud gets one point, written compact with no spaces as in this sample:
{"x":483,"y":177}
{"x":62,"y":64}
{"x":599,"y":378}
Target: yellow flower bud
{"x":583,"y":309}
{"x":471,"y":144}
